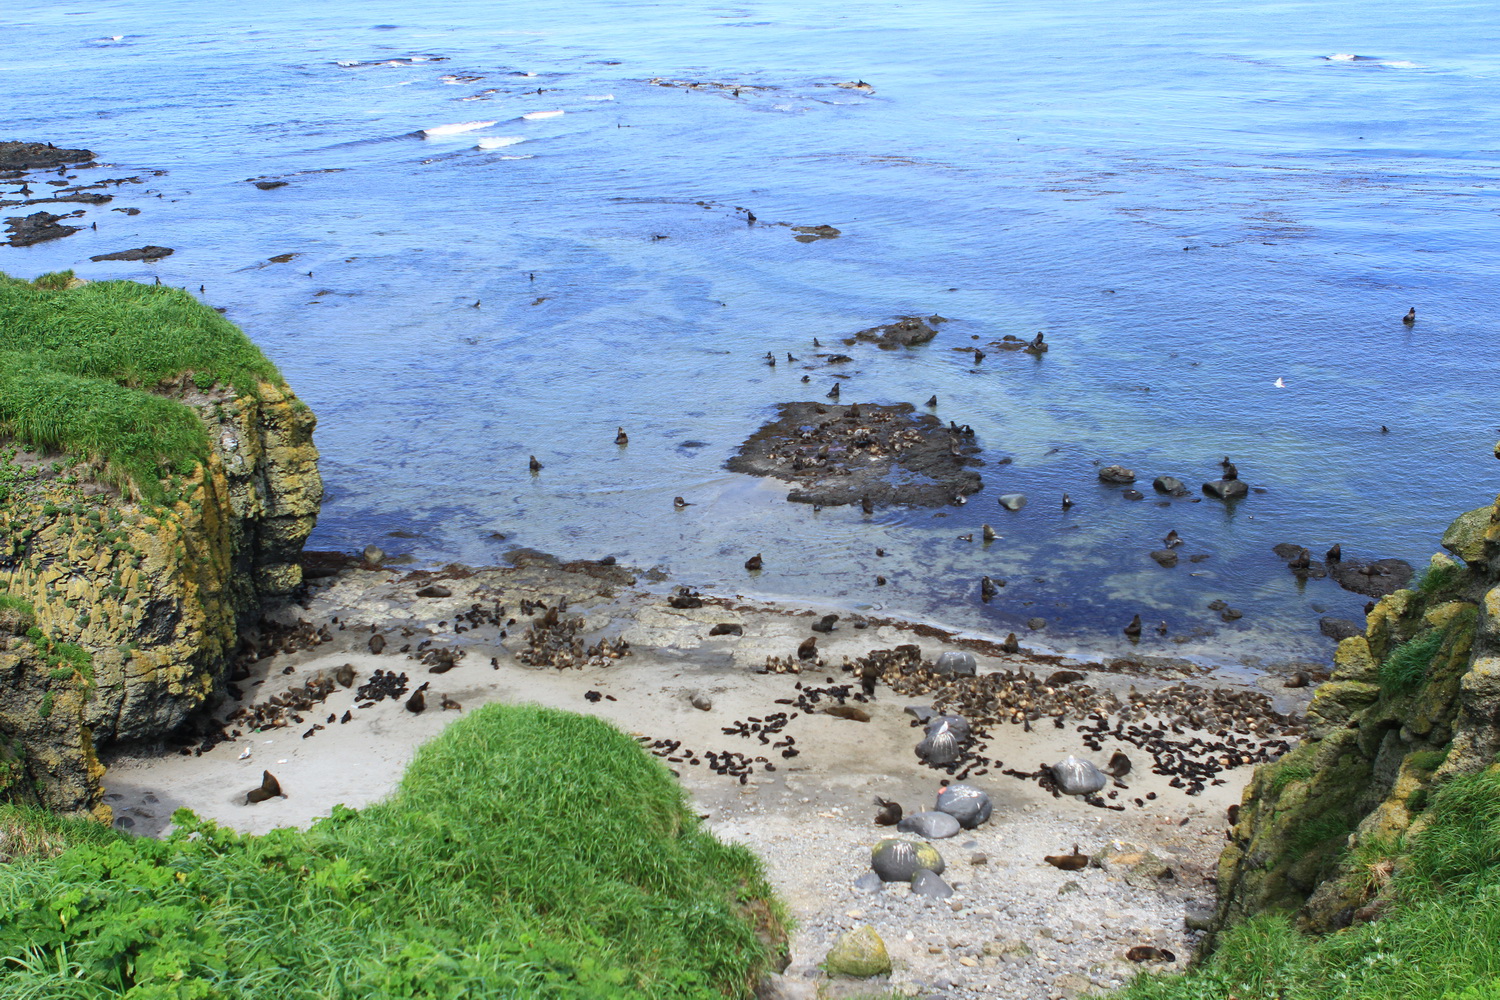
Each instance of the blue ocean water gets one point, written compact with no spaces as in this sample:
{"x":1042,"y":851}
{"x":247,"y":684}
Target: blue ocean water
{"x":1192,"y":201}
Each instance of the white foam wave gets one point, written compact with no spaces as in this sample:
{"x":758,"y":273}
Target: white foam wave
{"x":499,"y":141}
{"x":1341,"y":57}
{"x":519,"y":156}
{"x":532,"y":116}
{"x":598,"y":97}
{"x":456,"y":128}
{"x":1402,"y":64}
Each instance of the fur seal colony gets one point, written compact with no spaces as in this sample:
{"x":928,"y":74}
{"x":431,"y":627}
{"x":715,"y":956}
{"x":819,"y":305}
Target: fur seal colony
{"x":811,"y":716}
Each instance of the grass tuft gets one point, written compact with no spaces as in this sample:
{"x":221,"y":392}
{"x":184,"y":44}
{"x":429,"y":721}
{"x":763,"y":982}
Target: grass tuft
{"x":1405,"y":668}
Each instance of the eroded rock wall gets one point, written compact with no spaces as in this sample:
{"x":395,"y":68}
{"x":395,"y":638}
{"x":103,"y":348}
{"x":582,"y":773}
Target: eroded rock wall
{"x":1411,"y":703}
{"x":156,"y":595}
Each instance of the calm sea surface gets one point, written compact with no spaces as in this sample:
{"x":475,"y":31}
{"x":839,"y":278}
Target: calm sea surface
{"x":1191,"y":200}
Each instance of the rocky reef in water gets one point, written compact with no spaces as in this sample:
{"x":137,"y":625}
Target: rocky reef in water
{"x":1411,"y":704}
{"x":122,"y":608}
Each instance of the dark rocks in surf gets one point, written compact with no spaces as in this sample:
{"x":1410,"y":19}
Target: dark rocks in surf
{"x":146,"y":253}
{"x":836,"y":455}
{"x":39,"y":156}
{"x":907,"y":331}
{"x":28,"y":230}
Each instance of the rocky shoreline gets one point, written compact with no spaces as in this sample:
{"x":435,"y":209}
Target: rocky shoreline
{"x":327,"y":707}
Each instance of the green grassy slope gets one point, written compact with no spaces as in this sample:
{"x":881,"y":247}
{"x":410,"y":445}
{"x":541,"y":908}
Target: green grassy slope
{"x":527,"y":853}
{"x":77,"y":366}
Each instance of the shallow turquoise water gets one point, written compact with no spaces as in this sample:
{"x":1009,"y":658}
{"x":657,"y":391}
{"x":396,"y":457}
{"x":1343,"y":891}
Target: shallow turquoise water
{"x":1192,"y":202}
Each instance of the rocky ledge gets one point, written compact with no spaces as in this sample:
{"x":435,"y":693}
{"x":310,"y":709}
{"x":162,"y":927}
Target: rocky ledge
{"x":119,"y":617}
{"x":863,"y":453}
{"x":1413,"y":701}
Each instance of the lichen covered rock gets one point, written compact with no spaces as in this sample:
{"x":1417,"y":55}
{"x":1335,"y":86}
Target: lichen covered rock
{"x":859,"y":953}
{"x":153,"y":594}
{"x":1410,"y":704}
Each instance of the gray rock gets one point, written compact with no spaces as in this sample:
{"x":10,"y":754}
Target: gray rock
{"x":1117,"y":475}
{"x":932,"y":825}
{"x":919,"y":712}
{"x":1340,"y":629}
{"x":1170,"y":485}
{"x":928,"y":883}
{"x":956,"y":661}
{"x":1465,"y":536}
{"x":1036,"y":624}
{"x":896,"y":860}
{"x":1077,"y":777}
{"x":1166,"y":558}
{"x":940,"y":747}
{"x":1133,"y":494}
{"x":957,"y":723}
{"x":1226,"y":489}
{"x":1012,"y":501}
{"x":777,"y":987}
{"x":701,"y":701}
{"x":1198,"y":920}
{"x":869,"y":882}
{"x":965,"y":803}
{"x":374,"y":555}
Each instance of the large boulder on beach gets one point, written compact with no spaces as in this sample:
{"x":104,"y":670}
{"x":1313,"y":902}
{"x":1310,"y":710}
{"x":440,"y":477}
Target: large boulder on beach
{"x":965,"y":803}
{"x":941,"y":746}
{"x":957,"y":723}
{"x":932,"y":825}
{"x":1077,"y":777}
{"x":956,"y":661}
{"x":897,"y":860}
{"x":859,"y":953}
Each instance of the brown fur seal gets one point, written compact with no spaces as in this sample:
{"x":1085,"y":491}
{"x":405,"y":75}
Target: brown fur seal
{"x":269,"y":788}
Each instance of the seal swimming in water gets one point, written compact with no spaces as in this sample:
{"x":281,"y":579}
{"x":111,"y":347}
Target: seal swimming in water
{"x":1133,"y":630}
{"x":535,"y":465}
{"x":680,"y":503}
{"x":987,"y":589}
{"x":1067,"y":501}
{"x":932,"y":401}
{"x":989,"y":534}
{"x":753,"y":563}
{"x":1410,"y":317}
{"x":621,"y":438}
{"x":834,"y":392}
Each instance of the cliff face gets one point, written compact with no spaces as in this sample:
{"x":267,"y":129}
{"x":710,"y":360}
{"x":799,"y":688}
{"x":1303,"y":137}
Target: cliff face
{"x":1412,"y":703}
{"x":154,"y":595}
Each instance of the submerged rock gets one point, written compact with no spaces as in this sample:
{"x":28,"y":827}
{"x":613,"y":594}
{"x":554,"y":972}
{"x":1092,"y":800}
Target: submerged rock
{"x":1011,"y":501}
{"x":1226,"y":489}
{"x":1116,"y":475}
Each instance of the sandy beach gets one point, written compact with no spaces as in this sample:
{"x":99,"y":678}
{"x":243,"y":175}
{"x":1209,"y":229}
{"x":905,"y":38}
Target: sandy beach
{"x":1015,"y":926}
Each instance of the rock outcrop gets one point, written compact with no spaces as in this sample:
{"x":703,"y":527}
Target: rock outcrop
{"x":127,"y":611}
{"x":1411,"y":703}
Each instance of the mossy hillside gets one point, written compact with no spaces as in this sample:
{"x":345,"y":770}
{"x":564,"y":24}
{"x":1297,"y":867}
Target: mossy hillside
{"x":1437,"y":936}
{"x":80,"y":364}
{"x":527,"y":853}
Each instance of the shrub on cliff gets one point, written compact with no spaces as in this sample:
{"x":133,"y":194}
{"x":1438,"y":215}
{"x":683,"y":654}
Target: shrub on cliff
{"x":1438,"y":937}
{"x":527,"y":853}
{"x":79,"y":361}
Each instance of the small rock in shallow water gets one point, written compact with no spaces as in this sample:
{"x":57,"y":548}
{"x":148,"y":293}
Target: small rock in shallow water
{"x":374,"y":555}
{"x":1226,"y":489}
{"x":1166,"y":558}
{"x":932,"y":824}
{"x":1170,"y":485}
{"x":1116,"y":474}
{"x":1012,"y":501}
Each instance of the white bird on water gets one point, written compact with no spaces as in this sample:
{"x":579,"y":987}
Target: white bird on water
{"x":1280,"y":384}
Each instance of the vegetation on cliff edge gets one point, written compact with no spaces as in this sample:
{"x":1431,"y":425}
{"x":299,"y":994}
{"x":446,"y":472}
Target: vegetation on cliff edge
{"x":527,"y":853}
{"x":79,"y":363}
{"x":1437,"y":939}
